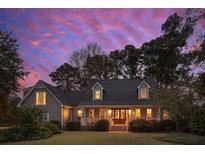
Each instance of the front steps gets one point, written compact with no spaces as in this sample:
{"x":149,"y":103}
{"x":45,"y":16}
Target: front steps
{"x":118,"y":128}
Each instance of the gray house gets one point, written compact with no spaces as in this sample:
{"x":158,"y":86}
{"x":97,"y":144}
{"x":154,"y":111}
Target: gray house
{"x":119,"y":101}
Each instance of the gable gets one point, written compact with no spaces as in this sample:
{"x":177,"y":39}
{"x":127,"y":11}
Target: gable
{"x":38,"y":85}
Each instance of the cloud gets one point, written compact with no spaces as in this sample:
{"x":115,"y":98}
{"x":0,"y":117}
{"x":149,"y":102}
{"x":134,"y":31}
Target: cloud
{"x":35,"y":42}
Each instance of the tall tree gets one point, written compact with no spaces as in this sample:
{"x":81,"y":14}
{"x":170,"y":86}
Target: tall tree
{"x":66,"y":77}
{"x":98,"y":67}
{"x":162,"y":56}
{"x":79,"y":57}
{"x":10,"y":66}
{"x":127,"y":62}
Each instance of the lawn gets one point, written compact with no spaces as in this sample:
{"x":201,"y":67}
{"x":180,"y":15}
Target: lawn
{"x":116,"y":138}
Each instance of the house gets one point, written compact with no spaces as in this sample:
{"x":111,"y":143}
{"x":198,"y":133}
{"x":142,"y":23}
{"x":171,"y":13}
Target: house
{"x":119,"y":101}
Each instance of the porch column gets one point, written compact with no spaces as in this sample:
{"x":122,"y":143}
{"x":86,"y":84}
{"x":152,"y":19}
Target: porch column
{"x":83,"y":117}
{"x":159,"y":118}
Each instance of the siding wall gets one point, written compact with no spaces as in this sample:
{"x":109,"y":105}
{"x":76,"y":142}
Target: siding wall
{"x":52,"y":106}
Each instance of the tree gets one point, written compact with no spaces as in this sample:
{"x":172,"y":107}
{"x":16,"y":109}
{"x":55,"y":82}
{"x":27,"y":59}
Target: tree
{"x":10,"y":66}
{"x":98,"y":67}
{"x":66,"y":77}
{"x":127,"y":62}
{"x":79,"y":57}
{"x":162,"y":56}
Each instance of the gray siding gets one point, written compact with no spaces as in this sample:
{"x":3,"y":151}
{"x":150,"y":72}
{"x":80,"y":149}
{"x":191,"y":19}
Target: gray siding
{"x":52,"y":106}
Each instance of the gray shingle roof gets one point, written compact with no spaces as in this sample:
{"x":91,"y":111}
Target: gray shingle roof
{"x":115,"y":92}
{"x":119,"y":92}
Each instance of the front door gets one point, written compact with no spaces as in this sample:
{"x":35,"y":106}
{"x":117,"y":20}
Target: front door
{"x":119,"y":116}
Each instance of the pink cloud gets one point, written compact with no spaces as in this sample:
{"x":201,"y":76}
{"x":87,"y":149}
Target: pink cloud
{"x":35,"y":42}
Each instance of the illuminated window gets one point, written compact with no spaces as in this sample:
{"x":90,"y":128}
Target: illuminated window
{"x":97,"y":95}
{"x":149,"y":113}
{"x":40,"y":98}
{"x":137,"y":113}
{"x":143,"y":92}
{"x":91,"y":113}
{"x":79,"y":113}
{"x":117,"y":114}
{"x":102,"y":113}
{"x":165,"y":115}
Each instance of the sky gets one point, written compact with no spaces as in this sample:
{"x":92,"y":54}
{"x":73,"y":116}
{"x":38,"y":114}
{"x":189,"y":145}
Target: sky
{"x":48,"y":36}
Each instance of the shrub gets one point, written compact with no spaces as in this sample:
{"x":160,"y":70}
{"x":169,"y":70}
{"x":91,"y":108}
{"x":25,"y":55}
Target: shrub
{"x":53,"y":127}
{"x":26,"y":133}
{"x":102,"y":125}
{"x":139,"y":125}
{"x":57,"y":123}
{"x":73,"y":125}
{"x":168,"y":125}
{"x":198,"y":121}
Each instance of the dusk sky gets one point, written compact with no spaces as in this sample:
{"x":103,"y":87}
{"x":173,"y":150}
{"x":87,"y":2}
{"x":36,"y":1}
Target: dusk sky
{"x":48,"y":36}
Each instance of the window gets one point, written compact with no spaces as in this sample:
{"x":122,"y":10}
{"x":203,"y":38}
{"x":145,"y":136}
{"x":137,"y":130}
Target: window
{"x":46,"y":117}
{"x":117,"y":114}
{"x":91,"y":113}
{"x":149,"y":113}
{"x":97,"y":95}
{"x":165,"y":115}
{"x":102,"y":113}
{"x":79,"y":113}
{"x":40,"y":98}
{"x":138,"y":113}
{"x":143,"y":91}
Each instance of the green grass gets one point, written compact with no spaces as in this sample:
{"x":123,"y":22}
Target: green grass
{"x":116,"y":138}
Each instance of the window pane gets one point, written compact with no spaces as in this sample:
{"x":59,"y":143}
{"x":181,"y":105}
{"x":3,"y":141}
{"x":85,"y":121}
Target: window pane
{"x":117,"y":114}
{"x":102,"y":113}
{"x":91,"y":113}
{"x":165,"y":115}
{"x":149,"y":113}
{"x":97,"y":94}
{"x":143,"y":93}
{"x":138,"y":113}
{"x":40,"y":98}
{"x":122,"y":114}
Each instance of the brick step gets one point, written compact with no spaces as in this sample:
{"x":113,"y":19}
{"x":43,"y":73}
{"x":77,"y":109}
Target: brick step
{"x":118,"y":128}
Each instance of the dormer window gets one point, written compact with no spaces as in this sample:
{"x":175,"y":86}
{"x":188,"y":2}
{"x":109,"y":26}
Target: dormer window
{"x":97,"y":92}
{"x":143,"y":90}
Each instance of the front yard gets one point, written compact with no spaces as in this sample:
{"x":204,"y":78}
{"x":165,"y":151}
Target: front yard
{"x":116,"y":138}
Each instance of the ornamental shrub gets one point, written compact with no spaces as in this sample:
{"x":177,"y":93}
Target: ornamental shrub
{"x":53,"y":127}
{"x":139,"y":125}
{"x":102,"y":125}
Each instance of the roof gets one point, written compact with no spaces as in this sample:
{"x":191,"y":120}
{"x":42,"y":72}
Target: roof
{"x":115,"y":92}
{"x":119,"y":92}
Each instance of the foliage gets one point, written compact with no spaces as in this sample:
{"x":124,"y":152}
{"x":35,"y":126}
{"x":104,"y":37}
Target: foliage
{"x":23,"y":116}
{"x":10,"y":65}
{"x":198,"y":121}
{"x":66,"y":77}
{"x":102,"y":125}
{"x":73,"y":125}
{"x":139,"y":125}
{"x":142,"y":125}
{"x":98,"y":67}
{"x":53,"y":127}
{"x":168,"y":125}
{"x":23,"y":133}
{"x":57,"y":123}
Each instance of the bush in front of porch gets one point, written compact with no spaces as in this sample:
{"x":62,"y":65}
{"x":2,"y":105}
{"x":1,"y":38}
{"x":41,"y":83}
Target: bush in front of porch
{"x":142,"y":125}
{"x":102,"y":125}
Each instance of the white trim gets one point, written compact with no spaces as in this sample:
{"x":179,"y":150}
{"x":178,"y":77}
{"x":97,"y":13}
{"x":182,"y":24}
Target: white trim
{"x":96,"y":84}
{"x":143,"y":83}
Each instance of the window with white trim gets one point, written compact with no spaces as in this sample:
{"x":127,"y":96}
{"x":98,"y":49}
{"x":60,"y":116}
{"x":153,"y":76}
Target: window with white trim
{"x":137,"y":113}
{"x":40,"y":98}
{"x":45,"y":117}
{"x":149,"y":113}
{"x":143,"y":92}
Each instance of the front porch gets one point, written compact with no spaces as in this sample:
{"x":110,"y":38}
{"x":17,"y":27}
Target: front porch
{"x":118,"y":116}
